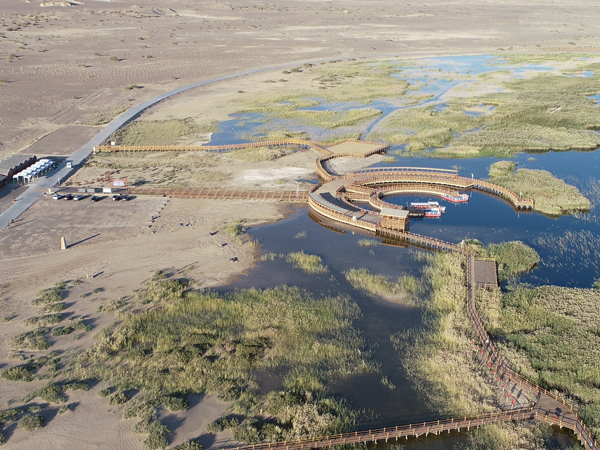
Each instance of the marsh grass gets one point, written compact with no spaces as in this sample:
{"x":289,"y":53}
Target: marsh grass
{"x":367,"y":242}
{"x":551,"y":195}
{"x":159,"y":132}
{"x":439,"y":357}
{"x":513,"y":258}
{"x":202,"y":342}
{"x":502,"y":169}
{"x":312,"y":264}
{"x":509,"y":436}
{"x":552,"y":335}
{"x":404,"y":291}
{"x":327,"y":119}
{"x":193,"y":342}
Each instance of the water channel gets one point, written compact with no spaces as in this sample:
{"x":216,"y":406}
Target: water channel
{"x":569,"y":247}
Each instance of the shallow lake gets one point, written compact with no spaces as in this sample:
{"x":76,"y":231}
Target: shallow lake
{"x":569,"y":246}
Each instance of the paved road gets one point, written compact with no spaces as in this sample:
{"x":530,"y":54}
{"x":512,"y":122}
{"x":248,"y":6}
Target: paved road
{"x":36,"y":191}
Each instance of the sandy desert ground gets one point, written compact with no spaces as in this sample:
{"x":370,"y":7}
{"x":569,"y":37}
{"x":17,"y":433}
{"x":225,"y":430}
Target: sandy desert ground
{"x":65,"y":68}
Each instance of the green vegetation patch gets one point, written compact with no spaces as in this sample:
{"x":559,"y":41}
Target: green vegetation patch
{"x":308,"y":263}
{"x":551,"y":195}
{"x":552,"y":335}
{"x":31,"y":422}
{"x":439,"y":357}
{"x":502,"y":169}
{"x":31,"y":340}
{"x":422,"y":128}
{"x":203,"y":342}
{"x":159,"y":132}
{"x":50,"y":295}
{"x":513,"y":258}
{"x":403,"y":291}
{"x":328,"y":119}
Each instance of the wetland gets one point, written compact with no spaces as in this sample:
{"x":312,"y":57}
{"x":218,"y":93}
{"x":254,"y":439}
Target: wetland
{"x":334,"y":331}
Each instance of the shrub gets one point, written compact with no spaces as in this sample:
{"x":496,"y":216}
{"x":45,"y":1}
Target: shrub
{"x":62,"y":331}
{"x":119,"y":398}
{"x":21,"y":373}
{"x":9,"y":415}
{"x":190,"y":445}
{"x":51,"y":295}
{"x":104,"y":392}
{"x":31,"y":422}
{"x":248,"y":432}
{"x":114,"y":58}
{"x":97,"y":290}
{"x":76,"y":386}
{"x":222,"y":424}
{"x":233,"y":230}
{"x":175,"y":403}
{"x":64,"y":408}
{"x":54,"y":307}
{"x":32,"y":340}
{"x":50,"y":393}
{"x":157,"y":435}
{"x":48,"y":319}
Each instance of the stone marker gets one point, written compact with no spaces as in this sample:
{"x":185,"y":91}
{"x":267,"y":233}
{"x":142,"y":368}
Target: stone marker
{"x":63,"y":243}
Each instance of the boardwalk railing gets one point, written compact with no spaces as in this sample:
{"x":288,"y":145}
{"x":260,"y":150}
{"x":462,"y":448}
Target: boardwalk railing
{"x":412,"y":430}
{"x":442,"y":179}
{"x":232,"y":194}
{"x":210,"y":148}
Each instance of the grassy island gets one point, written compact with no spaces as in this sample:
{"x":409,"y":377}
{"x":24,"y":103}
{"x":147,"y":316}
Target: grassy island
{"x":551,"y":195}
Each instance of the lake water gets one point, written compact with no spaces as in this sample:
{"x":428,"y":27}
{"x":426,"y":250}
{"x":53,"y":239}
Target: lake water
{"x":569,"y":246}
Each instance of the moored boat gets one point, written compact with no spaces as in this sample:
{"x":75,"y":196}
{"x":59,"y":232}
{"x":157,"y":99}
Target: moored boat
{"x":433,"y":212}
{"x":460,"y":199}
{"x":425,"y":205}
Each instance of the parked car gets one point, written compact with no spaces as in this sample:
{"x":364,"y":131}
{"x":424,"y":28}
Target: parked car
{"x":57,"y":196}
{"x":126,"y":197}
{"x":94,"y":198}
{"x":78,"y":197}
{"x":116,"y":198}
{"x":68,"y":197}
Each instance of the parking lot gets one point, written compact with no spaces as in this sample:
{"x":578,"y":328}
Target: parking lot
{"x":39,"y":229}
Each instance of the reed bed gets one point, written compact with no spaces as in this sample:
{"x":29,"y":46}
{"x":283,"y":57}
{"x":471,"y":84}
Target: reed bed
{"x":212,"y":343}
{"x":440,"y":358}
{"x":160,"y":132}
{"x":404,"y":291}
{"x":551,"y":334}
{"x":572,"y":249}
{"x":193,"y":342}
{"x":551,"y":195}
{"x":328,"y":119}
{"x":309,"y":263}
{"x":502,"y":169}
{"x":510,"y":436}
{"x":513,"y":258}
{"x":367,"y":242}
{"x":342,"y":82}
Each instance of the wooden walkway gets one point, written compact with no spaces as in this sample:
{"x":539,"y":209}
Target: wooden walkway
{"x":373,"y":184}
{"x":405,"y":431}
{"x":224,"y":194}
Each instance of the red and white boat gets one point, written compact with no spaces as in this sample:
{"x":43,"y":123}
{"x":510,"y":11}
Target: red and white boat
{"x":460,"y":199}
{"x":433,"y":212}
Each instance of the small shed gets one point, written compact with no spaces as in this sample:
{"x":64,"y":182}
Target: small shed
{"x":394,"y":219}
{"x":15,"y":164}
